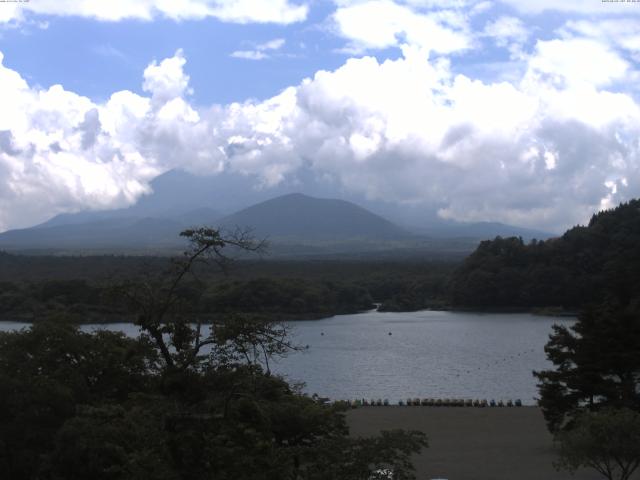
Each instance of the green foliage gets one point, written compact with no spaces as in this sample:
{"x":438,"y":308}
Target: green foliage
{"x":584,"y":265}
{"x":597,"y":364}
{"x":112,"y":442}
{"x":226,"y":419}
{"x":105,"y":365}
{"x":278,"y":290}
{"x":607,"y":441}
{"x":250,"y":340}
{"x":69,"y":292}
{"x":76,"y":405}
{"x":46,"y":372}
{"x":286,"y":296}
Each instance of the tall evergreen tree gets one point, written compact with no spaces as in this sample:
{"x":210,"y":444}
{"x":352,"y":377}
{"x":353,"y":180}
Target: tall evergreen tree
{"x":597,"y":363}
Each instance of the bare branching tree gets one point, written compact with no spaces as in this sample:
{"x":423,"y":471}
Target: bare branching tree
{"x":252,"y":341}
{"x":157,"y":303}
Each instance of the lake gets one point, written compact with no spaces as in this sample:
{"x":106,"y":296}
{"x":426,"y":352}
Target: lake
{"x":428,"y":354}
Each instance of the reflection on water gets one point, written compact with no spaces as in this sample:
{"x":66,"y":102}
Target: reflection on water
{"x":421,"y":354}
{"x":417,"y":354}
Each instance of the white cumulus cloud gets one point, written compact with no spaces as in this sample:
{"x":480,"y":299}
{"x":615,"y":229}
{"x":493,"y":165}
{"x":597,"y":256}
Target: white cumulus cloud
{"x":623,"y":33}
{"x":577,"y":6}
{"x":261,"y":51}
{"x":60,"y":151}
{"x":235,"y":11}
{"x":509,"y":32}
{"x":578,"y":61}
{"x":544,"y":150}
{"x":379,"y":24}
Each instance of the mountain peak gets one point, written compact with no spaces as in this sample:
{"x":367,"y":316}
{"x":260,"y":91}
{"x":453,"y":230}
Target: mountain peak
{"x":294,"y":195}
{"x":301,"y":216}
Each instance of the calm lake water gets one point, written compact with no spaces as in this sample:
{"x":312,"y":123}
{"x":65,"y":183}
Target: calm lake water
{"x":428,"y":354}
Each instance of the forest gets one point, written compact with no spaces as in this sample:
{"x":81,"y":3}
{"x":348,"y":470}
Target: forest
{"x":33,"y":288}
{"x":563,"y":274}
{"x":174,"y":403}
{"x":585,"y":265}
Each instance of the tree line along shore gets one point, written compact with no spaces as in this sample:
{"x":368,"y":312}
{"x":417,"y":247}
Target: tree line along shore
{"x":557,"y":276}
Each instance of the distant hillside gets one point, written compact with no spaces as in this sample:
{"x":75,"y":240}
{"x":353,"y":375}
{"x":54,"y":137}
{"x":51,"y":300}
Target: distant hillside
{"x":296,"y":224}
{"x":131,"y":215}
{"x":584,"y":265}
{"x":105,"y":234}
{"x":178,"y":191}
{"x":480,"y":230}
{"x":87,"y":231}
{"x":297,"y":216}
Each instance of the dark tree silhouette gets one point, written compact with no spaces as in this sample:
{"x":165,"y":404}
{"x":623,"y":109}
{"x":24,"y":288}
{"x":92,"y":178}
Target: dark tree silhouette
{"x":157,"y":303}
{"x":76,"y":405}
{"x":607,"y":441}
{"x":597,"y":364}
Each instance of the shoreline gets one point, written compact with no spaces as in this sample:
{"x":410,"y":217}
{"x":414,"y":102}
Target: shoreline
{"x":109,"y":318}
{"x":538,"y":311}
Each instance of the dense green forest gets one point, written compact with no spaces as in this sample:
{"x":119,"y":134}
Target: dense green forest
{"x":584,"y":265}
{"x":33,"y":288}
{"x":282,"y":298}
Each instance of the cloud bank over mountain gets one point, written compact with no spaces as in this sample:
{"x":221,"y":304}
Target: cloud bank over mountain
{"x":555,"y":139}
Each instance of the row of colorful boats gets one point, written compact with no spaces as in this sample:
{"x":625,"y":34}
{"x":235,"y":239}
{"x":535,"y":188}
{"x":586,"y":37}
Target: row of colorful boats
{"x":434,"y":402}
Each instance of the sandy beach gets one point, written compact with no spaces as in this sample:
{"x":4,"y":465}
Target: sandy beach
{"x":473,"y":443}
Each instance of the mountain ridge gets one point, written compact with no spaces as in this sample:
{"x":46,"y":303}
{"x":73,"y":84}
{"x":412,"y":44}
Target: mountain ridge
{"x":296,"y":215}
{"x":294,"y":222}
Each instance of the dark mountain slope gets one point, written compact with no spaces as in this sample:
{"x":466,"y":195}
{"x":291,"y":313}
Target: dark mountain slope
{"x":120,"y":233}
{"x":302,"y":217}
{"x":176,"y":192}
{"x":129,"y":215}
{"x":295,"y":218}
{"x":115,"y":229}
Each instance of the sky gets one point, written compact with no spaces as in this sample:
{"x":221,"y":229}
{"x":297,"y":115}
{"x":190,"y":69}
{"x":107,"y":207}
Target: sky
{"x":520,"y":111}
